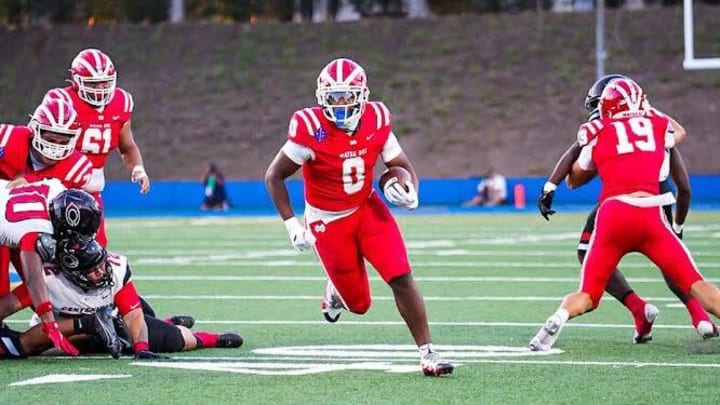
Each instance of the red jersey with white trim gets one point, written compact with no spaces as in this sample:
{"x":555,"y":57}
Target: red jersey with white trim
{"x":15,"y":140}
{"x":24,"y":210}
{"x":69,"y":299}
{"x":100,"y":133}
{"x":628,"y":152}
{"x":14,"y":148}
{"x":339,"y":175}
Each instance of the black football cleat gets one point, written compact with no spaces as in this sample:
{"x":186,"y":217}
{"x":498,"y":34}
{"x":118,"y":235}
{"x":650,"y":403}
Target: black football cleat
{"x":182,"y":320}
{"x":229,"y":341}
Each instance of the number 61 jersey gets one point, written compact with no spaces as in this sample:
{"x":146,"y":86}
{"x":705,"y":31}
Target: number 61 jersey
{"x":100,"y":131}
{"x":337,"y":166}
{"x":24,"y":210}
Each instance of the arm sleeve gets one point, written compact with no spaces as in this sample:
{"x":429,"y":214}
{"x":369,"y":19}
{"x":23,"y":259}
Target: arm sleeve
{"x":28,"y":241}
{"x":585,"y":159}
{"x":297,"y":153}
{"x":669,"y":136}
{"x":127,"y":299}
{"x":391,"y":149}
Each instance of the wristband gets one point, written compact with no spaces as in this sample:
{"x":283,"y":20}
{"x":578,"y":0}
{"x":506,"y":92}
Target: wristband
{"x":43,"y":308}
{"x":677,"y":228}
{"x":548,"y":187}
{"x":292,"y":224}
{"x":138,"y":169}
{"x":140,"y":346}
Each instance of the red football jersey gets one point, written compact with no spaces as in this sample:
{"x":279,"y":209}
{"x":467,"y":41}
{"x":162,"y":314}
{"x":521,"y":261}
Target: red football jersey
{"x":339,"y":174}
{"x":100,"y":132}
{"x":628,"y":152}
{"x":14,"y":148}
{"x":74,"y":171}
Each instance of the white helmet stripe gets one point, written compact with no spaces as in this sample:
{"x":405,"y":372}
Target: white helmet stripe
{"x":339,"y":70}
{"x":88,"y":66}
{"x":48,"y":115}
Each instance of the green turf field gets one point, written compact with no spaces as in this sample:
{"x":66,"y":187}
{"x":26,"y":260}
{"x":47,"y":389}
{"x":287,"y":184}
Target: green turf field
{"x":489,"y":282}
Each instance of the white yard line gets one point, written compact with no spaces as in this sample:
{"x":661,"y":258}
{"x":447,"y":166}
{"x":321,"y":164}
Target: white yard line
{"x":441,"y":279}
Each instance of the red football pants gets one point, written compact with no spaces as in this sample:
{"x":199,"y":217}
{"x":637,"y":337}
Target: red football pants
{"x":369,"y":233}
{"x":101,"y":236}
{"x":621,"y":228}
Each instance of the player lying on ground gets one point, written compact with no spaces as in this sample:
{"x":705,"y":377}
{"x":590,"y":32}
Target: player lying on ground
{"x":85,"y":282}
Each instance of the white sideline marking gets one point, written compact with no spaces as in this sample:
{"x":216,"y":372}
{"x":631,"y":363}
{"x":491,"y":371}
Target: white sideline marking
{"x":443,"y":279}
{"x":65,"y":378}
{"x":401,"y":323}
{"x":229,"y":260}
{"x":375,"y":298}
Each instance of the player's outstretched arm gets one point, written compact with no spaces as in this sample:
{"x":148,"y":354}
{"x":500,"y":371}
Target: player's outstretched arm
{"x":32,"y":271}
{"x":560,"y":171}
{"x":131,"y":156}
{"x":679,"y":175}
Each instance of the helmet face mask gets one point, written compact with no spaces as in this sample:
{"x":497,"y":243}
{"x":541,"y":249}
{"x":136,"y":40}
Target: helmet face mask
{"x":55,"y":129}
{"x":84,"y":262}
{"x":342,"y":92}
{"x":93,"y":75}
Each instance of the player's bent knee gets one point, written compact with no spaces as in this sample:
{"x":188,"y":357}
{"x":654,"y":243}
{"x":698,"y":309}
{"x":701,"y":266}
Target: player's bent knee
{"x":360,"y":307}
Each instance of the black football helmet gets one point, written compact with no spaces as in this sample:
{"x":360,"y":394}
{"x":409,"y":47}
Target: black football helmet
{"x":74,"y":212}
{"x":77,"y":257}
{"x":595,"y":91}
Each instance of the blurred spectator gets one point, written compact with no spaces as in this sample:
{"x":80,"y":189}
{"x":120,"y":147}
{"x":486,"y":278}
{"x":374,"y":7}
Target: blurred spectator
{"x":491,"y":191}
{"x":214,"y":185}
{"x":306,"y":10}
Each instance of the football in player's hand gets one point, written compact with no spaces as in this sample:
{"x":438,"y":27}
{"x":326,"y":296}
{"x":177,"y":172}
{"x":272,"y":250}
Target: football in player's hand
{"x":398,"y":172}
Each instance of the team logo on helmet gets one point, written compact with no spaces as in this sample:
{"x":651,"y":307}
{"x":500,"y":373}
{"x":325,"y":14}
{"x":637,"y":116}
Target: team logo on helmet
{"x":72,"y":214}
{"x":69,"y":261}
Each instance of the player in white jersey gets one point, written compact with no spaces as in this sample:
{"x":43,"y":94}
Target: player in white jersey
{"x":25,"y":212}
{"x":85,"y":283}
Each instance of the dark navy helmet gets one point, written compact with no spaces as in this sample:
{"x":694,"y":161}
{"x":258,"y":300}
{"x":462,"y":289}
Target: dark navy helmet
{"x":74,"y":212}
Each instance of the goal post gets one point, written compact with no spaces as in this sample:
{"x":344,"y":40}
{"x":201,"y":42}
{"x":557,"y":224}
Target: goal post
{"x":691,"y":62}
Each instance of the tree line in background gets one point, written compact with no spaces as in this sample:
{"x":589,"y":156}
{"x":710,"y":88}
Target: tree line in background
{"x":20,"y":13}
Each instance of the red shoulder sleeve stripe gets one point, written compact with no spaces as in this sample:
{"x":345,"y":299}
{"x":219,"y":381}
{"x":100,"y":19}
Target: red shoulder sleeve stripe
{"x":129,"y":104}
{"x":80,"y":169}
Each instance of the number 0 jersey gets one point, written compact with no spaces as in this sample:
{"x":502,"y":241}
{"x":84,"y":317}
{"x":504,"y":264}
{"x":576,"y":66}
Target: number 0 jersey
{"x":337,"y":166}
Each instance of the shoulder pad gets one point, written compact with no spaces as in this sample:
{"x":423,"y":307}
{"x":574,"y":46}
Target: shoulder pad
{"x":588,"y":131}
{"x":127,"y":101}
{"x":303,"y":123}
{"x":383,"y":118}
{"x":45,"y":247}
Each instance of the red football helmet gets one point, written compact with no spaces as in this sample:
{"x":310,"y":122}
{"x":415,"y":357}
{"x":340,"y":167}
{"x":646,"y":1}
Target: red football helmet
{"x":94,"y":77}
{"x":342,"y":92}
{"x":621,"y":95}
{"x":55,"y":129}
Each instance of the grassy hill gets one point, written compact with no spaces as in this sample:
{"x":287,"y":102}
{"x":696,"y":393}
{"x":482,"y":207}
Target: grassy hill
{"x":467,"y":92}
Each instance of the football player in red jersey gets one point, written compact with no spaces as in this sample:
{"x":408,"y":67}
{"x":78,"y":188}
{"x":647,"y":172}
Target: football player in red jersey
{"x":104,"y":113}
{"x":627,"y":147}
{"x":644,"y":314}
{"x":337,"y":145}
{"x":45,"y":148}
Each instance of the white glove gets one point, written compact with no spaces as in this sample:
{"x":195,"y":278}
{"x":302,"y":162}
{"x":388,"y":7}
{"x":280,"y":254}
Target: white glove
{"x":139,"y":175}
{"x":398,"y":195}
{"x":300,"y":237}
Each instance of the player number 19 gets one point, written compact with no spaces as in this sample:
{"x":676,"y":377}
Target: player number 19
{"x":640,"y":127}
